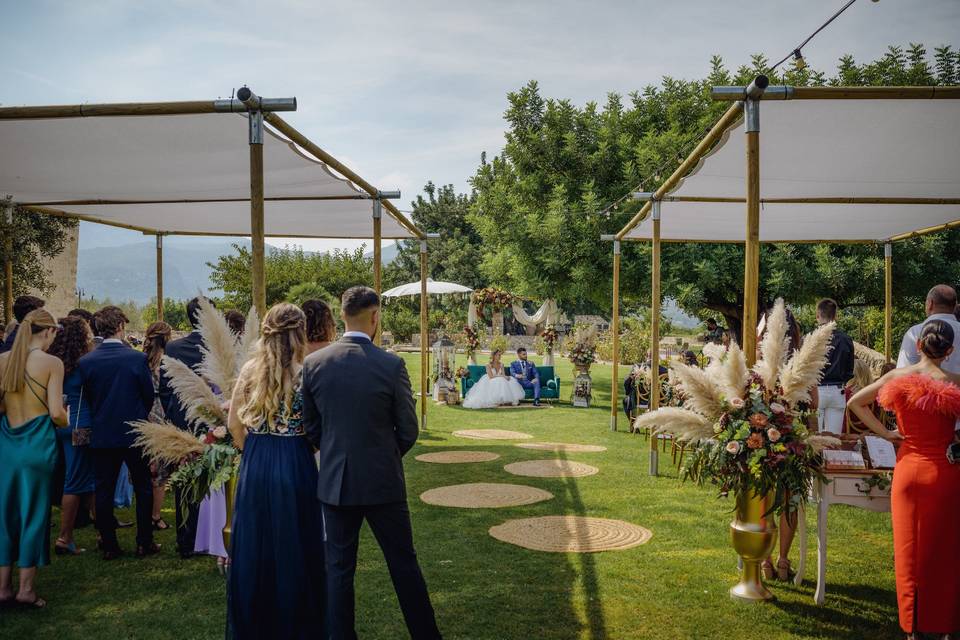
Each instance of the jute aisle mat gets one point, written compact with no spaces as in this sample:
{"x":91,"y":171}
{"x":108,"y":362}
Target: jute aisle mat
{"x":491,"y":434}
{"x":571,"y":534}
{"x":484,"y":495}
{"x":453,"y":457}
{"x":564,"y":447}
{"x":553,"y":468}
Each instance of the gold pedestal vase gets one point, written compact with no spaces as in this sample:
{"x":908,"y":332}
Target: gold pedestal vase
{"x":230,"y":492}
{"x":753,"y":536}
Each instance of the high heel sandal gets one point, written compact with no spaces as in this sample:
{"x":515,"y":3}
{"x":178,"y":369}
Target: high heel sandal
{"x":767,"y":568}
{"x":62,"y":548}
{"x":783,"y":570}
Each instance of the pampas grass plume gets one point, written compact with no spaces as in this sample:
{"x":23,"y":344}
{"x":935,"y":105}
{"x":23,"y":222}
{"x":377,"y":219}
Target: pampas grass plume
{"x":700,"y":392}
{"x":195,"y":395}
{"x":165,"y":443}
{"x":219,"y":349}
{"x":803,"y":370}
{"x":683,"y":424}
{"x":774,"y":346}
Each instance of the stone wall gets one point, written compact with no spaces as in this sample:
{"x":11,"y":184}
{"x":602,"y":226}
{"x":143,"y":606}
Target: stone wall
{"x":62,"y":275}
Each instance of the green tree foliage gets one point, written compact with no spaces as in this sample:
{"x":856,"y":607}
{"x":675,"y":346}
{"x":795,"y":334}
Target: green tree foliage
{"x":333,"y":273}
{"x":455,"y":256}
{"x":36,"y":238}
{"x":541,"y":205}
{"x":174,"y":314}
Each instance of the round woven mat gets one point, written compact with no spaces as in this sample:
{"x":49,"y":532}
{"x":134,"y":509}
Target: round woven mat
{"x":481,"y":495}
{"x":491,"y":434}
{"x":551,"y":469}
{"x":451,"y":457}
{"x":571,"y":534}
{"x":565,"y":447}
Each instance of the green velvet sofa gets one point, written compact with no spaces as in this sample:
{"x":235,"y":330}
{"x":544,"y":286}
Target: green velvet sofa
{"x":549,"y":382}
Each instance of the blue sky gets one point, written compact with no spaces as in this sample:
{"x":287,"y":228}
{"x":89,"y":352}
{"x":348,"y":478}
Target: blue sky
{"x":406,"y":92}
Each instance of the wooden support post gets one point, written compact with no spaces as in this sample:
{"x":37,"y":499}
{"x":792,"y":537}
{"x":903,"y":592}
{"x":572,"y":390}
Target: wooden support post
{"x":7,"y":206}
{"x":615,"y":329}
{"x":259,"y":288}
{"x":655,"y":332}
{"x":751,"y":266}
{"x":159,"y":277}
{"x":377,"y":258}
{"x":888,"y":301}
{"x":424,"y":331}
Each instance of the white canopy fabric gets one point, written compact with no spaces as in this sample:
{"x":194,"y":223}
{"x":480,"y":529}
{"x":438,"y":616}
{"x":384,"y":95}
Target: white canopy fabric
{"x":56,"y":162}
{"x":433,"y":287}
{"x":825,"y":149}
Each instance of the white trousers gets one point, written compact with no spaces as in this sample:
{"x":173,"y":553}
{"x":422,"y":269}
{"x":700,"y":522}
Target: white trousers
{"x":831,"y":408}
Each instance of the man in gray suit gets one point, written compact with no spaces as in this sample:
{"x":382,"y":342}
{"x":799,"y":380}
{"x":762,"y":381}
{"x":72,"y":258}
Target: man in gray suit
{"x":359,"y":411}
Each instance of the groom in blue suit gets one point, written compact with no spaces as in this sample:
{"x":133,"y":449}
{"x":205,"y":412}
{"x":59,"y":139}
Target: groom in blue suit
{"x":526,"y":374}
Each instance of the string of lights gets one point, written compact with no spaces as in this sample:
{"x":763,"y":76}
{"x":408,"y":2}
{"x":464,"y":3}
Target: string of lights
{"x":797,"y":53}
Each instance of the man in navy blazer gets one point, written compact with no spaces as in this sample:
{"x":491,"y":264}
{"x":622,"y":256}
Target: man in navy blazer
{"x":526,"y":374}
{"x":119,"y":389}
{"x":187,"y":351}
{"x":359,"y":411}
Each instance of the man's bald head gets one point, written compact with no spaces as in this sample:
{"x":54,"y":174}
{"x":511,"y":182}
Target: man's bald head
{"x":941,"y":299}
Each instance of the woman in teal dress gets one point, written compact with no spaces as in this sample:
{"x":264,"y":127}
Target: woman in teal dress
{"x":73,"y":342}
{"x":31,"y":384}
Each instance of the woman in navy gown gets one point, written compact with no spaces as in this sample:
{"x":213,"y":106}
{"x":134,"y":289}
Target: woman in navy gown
{"x":73,"y":342}
{"x":277,"y":574}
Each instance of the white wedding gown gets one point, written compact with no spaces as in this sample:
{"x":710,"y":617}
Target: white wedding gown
{"x":492,"y":392}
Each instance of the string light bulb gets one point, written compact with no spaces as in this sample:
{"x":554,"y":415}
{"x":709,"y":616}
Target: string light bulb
{"x":798,"y":62}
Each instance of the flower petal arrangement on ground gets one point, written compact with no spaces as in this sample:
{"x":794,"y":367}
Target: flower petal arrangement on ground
{"x":748,"y":426}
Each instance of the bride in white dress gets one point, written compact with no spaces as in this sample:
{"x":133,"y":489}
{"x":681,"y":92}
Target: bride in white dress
{"x":495,"y":388}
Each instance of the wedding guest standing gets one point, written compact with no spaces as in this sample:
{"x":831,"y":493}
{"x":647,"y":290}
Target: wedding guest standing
{"x":359,"y":411}
{"x":926,"y":486}
{"x":832,"y":401}
{"x":187,"y":351}
{"x":117,"y":382}
{"x":72,"y":343}
{"x":321,"y":327}
{"x":236,"y":321}
{"x":277,"y":576}
{"x":940,"y":304}
{"x":21,"y":307}
{"x":31,"y":403}
{"x":154,"y":345}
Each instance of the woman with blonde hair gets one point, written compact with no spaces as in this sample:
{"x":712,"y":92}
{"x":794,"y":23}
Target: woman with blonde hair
{"x":31,"y":401}
{"x":277,"y":574}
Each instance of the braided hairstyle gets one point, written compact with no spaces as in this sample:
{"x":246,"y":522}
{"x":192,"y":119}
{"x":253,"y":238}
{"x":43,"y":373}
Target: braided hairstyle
{"x":155,"y":343}
{"x":936,"y":339}
{"x":271,"y":379}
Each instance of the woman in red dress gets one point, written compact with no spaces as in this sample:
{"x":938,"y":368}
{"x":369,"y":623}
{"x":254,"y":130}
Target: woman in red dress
{"x":926,"y":485}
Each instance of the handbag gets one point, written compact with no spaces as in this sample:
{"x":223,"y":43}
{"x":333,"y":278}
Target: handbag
{"x":80,"y":436}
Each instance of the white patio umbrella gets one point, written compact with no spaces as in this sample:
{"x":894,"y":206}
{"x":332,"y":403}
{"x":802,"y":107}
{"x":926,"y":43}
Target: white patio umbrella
{"x":433,"y":286}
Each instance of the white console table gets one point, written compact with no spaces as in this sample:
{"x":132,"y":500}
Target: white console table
{"x":844,"y":487}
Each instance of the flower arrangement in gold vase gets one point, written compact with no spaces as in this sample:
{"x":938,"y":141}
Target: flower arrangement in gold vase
{"x":747,"y":426}
{"x":583,"y":346}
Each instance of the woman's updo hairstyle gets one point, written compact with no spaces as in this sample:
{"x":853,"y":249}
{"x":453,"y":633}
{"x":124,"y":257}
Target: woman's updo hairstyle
{"x":321,"y":327}
{"x":936,"y":339}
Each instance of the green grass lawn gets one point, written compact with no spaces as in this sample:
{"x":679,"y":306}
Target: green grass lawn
{"x":675,"y":586}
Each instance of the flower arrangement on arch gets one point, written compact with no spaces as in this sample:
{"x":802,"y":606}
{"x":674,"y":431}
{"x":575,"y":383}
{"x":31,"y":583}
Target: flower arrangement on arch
{"x":747,"y":426}
{"x":472,"y":337}
{"x":496,"y":299}
{"x":550,"y":337}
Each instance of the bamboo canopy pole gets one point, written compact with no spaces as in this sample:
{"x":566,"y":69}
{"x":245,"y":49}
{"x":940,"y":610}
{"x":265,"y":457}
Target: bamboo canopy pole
{"x":727,"y":120}
{"x":7,"y":206}
{"x":146,"y":108}
{"x":159,"y":277}
{"x":655,"y":332}
{"x":926,"y":231}
{"x":782,"y":92}
{"x":377,"y":260}
{"x":615,"y":329}
{"x":284,"y":127}
{"x":61,"y":203}
{"x":424,"y":332}
{"x":256,"y":229}
{"x":819,"y":200}
{"x":751,"y":267}
{"x":58,"y":213}
{"x":888,"y":301}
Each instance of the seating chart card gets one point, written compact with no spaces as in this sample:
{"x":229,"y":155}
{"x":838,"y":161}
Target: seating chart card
{"x":836,"y":459}
{"x":881,"y":452}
